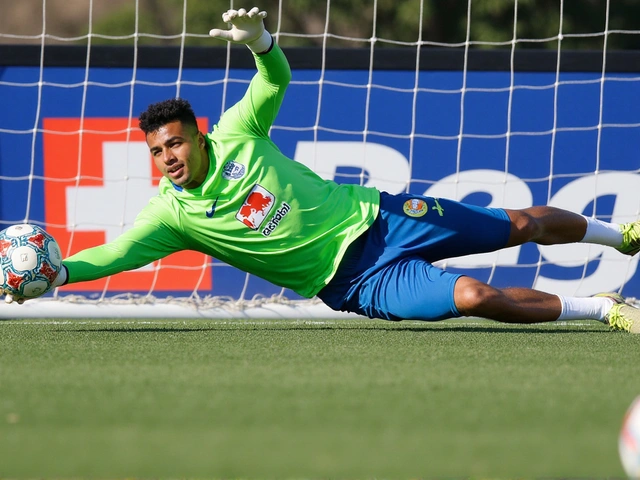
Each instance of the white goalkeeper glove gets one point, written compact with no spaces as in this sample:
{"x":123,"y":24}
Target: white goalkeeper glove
{"x":247,"y":28}
{"x":60,"y":280}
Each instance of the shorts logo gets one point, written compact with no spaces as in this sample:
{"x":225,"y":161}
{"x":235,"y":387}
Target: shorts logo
{"x":233,"y":170}
{"x":415,"y":207}
{"x":256,"y":207}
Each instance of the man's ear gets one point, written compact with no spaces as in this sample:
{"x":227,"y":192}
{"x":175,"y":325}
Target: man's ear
{"x":201,"y":141}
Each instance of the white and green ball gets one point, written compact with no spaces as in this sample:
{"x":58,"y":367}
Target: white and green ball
{"x":30,"y":260}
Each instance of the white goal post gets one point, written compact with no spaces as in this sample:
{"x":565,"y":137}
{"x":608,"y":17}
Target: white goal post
{"x":509,"y":123}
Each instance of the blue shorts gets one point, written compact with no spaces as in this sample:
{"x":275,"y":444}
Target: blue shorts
{"x":387,"y":272}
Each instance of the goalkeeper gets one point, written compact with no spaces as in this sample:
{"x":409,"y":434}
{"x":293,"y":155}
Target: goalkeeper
{"x":233,"y":195}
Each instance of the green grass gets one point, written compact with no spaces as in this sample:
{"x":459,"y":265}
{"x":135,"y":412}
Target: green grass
{"x":312,"y":399}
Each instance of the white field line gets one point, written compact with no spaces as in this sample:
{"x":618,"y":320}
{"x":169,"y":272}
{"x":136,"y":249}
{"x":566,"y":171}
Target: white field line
{"x":98,"y":321}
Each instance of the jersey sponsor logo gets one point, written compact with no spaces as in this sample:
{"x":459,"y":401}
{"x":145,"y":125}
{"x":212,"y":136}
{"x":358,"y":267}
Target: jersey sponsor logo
{"x":212,"y":211}
{"x":415,"y":207}
{"x":233,"y":170}
{"x":256,"y":207}
{"x":281,"y":212}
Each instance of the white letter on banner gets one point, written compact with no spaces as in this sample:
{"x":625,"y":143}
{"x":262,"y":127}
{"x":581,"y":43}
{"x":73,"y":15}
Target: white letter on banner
{"x":127,"y":187}
{"x":506,"y":190}
{"x":388,"y":169}
{"x":614,"y":269}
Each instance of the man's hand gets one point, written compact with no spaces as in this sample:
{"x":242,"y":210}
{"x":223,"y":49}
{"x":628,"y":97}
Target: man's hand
{"x":247,"y":28}
{"x":10,"y":298}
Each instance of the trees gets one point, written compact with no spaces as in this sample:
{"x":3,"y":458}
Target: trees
{"x":397,"y":21}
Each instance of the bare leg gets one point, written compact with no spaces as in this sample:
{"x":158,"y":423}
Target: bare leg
{"x":511,"y":305}
{"x":545,"y":226}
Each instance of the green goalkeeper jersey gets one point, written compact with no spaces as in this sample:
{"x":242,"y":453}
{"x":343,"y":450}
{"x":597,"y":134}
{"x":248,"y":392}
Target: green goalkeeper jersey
{"x":256,"y":210}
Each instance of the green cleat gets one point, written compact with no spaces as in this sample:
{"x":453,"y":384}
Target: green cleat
{"x":630,"y":238}
{"x":623,"y":316}
{"x":616,"y":297}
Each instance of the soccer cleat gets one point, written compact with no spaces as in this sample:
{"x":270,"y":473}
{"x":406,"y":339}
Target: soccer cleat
{"x":622,"y":316}
{"x":630,"y":238}
{"x":616,"y":297}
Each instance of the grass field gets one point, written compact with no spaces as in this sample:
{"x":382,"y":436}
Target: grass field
{"x":312,"y":399}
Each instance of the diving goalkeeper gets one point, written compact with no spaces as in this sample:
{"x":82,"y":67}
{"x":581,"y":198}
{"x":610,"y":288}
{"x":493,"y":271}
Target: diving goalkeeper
{"x":233,"y":195}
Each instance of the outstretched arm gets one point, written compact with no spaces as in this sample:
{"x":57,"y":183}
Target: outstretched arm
{"x":259,"y":107}
{"x":133,"y":249}
{"x":150,"y":239}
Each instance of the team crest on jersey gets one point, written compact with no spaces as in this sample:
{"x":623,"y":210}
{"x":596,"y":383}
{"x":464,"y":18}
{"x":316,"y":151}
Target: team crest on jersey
{"x":233,"y":170}
{"x":415,"y":207}
{"x":256,"y":207}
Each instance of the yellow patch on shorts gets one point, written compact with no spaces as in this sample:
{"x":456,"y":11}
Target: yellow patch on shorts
{"x":415,"y":207}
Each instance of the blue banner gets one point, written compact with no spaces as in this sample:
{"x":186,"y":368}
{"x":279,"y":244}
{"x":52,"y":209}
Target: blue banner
{"x":488,"y":138}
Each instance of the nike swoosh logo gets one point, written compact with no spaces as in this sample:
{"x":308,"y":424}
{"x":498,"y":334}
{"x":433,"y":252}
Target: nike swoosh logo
{"x":210,"y":213}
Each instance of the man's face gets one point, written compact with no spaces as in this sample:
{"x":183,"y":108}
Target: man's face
{"x":179,"y":153}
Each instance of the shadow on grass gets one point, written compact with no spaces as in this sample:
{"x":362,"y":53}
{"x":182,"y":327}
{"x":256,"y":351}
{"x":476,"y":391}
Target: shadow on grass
{"x":393,"y":328}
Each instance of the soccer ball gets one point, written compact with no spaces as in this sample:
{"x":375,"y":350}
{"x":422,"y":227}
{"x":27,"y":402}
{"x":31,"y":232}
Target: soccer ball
{"x":30,"y":260}
{"x":629,"y":441}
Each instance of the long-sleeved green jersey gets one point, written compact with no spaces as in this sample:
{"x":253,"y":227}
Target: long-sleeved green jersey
{"x":256,"y":210}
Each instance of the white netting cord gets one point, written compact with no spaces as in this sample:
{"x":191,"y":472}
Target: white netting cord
{"x":198,"y":302}
{"x":34,"y":132}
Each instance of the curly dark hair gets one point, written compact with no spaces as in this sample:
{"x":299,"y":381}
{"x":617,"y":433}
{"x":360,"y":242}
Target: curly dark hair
{"x":161,"y":113}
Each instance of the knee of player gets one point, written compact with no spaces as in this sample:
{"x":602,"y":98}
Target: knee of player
{"x":527,"y":227}
{"x":471,"y":296}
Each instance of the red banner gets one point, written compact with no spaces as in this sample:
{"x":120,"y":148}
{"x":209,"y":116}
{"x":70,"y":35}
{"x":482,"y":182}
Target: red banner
{"x":98,"y":176}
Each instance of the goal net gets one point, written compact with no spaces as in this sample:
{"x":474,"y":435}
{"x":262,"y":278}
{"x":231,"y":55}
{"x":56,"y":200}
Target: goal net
{"x":507,"y":106}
